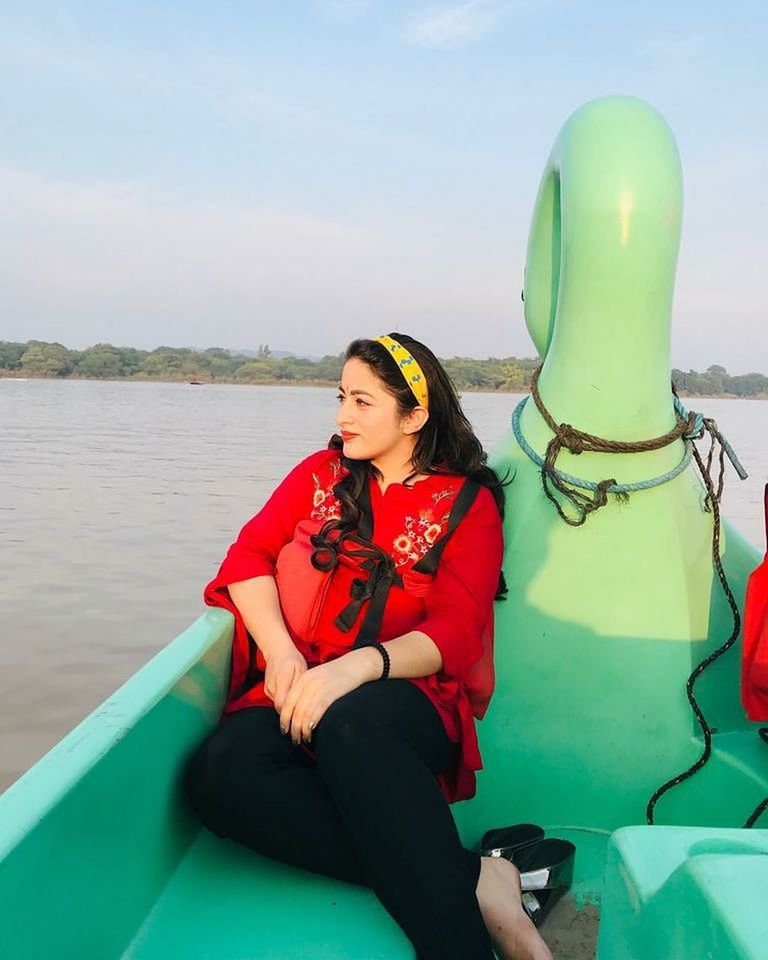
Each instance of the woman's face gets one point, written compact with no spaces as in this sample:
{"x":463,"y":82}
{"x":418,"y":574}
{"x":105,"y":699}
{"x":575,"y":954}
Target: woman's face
{"x":368,"y":419}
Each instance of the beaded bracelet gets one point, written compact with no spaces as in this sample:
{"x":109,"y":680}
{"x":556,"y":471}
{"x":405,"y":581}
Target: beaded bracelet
{"x":385,"y":658}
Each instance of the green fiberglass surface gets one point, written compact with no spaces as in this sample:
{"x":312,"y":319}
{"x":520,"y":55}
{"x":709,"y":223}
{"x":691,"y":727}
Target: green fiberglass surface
{"x":685,"y":892}
{"x":605,"y":621}
{"x":99,"y":857}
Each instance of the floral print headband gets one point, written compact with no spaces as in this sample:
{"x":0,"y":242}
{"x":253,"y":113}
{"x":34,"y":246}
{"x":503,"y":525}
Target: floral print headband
{"x":410,"y":369}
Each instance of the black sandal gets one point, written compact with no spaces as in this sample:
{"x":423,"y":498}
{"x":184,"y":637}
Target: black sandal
{"x":503,"y":841}
{"x":547,"y":865}
{"x":537,"y":905}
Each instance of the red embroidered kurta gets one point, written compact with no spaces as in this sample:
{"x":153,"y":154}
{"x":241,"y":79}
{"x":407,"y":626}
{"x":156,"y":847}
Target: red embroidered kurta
{"x":454,"y":607}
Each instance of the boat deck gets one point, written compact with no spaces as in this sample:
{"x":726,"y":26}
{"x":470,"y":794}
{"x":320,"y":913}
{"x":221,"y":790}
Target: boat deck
{"x":571,"y":933}
{"x":225,"y":902}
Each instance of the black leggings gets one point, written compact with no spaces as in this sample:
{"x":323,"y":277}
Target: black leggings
{"x":368,"y":811}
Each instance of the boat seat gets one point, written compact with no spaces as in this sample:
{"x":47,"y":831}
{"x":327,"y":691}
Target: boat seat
{"x":692,"y":892}
{"x":225,"y":902}
{"x":102,"y":859}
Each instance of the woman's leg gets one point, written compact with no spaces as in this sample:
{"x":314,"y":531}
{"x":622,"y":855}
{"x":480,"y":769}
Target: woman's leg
{"x":379,"y":750}
{"x":249,"y":783}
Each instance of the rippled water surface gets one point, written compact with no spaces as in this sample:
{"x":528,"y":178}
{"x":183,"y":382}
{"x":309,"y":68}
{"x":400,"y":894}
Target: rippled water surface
{"x":120,"y":499}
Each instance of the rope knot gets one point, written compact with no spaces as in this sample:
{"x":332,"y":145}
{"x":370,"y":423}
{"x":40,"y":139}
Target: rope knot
{"x":694,"y":428}
{"x":571,"y":438}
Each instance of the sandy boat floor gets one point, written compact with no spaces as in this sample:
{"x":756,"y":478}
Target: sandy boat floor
{"x":571,"y":934}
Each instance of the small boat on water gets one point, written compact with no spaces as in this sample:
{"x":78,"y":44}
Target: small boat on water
{"x":196,"y":383}
{"x":614,"y":596}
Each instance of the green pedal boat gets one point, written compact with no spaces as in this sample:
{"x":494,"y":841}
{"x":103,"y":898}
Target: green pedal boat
{"x":605,"y":620}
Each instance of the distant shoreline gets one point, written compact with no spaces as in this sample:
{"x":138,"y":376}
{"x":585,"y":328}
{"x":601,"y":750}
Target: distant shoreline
{"x":7,"y":375}
{"x":39,"y":359}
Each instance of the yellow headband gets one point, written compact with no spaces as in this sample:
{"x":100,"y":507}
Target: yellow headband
{"x":410,"y":369}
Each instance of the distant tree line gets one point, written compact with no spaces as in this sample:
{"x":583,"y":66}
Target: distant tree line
{"x":38,"y":358}
{"x":717,"y":381}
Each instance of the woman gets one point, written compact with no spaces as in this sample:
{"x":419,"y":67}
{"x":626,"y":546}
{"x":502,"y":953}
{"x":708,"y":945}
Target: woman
{"x":363,"y":595}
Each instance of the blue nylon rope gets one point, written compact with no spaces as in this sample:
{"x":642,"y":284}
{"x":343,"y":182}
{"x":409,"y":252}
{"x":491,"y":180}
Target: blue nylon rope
{"x":617,"y":487}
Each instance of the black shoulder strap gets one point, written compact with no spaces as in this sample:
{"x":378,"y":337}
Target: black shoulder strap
{"x":464,"y":500}
{"x":382,"y":575}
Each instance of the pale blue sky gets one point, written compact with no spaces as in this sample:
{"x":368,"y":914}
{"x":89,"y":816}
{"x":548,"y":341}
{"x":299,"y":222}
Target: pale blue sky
{"x":300,"y":173}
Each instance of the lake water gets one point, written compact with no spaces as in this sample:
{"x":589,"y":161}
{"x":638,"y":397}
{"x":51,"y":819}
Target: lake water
{"x":119,"y":501}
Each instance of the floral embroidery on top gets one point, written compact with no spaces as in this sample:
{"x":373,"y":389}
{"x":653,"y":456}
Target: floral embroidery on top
{"x":325,"y":506}
{"x":422,"y":532}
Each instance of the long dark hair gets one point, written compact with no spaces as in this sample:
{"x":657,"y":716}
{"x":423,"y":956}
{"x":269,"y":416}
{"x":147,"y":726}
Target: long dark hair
{"x":445,"y":444}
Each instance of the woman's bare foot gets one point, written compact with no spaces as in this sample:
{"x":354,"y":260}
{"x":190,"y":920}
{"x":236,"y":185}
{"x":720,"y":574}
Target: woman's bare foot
{"x":498,"y":892}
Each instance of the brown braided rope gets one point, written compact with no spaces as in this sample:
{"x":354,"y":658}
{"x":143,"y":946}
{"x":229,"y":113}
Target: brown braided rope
{"x":578,"y":442}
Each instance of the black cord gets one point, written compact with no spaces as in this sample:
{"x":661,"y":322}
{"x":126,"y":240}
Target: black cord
{"x":711,"y":503}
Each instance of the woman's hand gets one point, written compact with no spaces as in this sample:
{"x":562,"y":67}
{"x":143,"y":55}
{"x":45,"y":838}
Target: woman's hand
{"x":314,"y":691}
{"x":284,"y":668}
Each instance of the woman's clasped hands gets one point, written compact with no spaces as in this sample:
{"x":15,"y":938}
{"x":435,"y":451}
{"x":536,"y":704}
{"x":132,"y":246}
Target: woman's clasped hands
{"x":284,"y":667}
{"x":301,"y":695}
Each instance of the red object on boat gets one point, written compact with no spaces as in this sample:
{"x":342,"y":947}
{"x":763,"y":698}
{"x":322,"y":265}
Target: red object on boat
{"x":754,"y":665}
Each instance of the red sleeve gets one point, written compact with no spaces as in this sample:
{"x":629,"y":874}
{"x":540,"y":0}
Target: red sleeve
{"x":460,"y":598}
{"x":254,"y":553}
